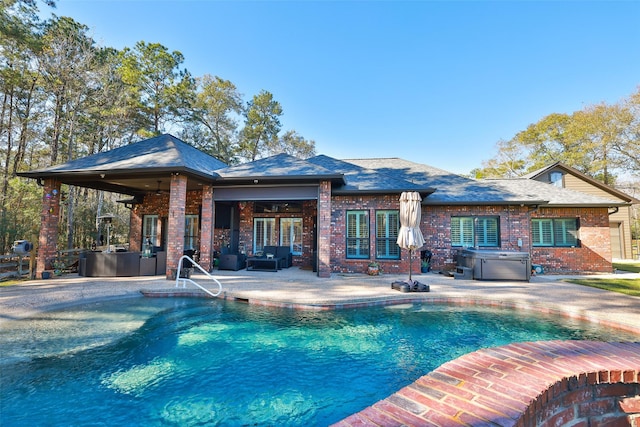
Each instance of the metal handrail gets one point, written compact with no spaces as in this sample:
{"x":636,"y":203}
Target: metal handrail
{"x":186,"y":279}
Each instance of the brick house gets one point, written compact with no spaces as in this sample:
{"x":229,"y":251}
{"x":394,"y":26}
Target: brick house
{"x":561,"y":175}
{"x":334,"y":215}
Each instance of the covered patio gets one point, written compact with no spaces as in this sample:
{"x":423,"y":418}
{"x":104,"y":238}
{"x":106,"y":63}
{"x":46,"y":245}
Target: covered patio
{"x":179,"y":195}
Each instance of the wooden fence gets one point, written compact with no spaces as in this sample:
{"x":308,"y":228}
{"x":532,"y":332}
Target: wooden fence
{"x":15,"y":266}
{"x":65,"y":261}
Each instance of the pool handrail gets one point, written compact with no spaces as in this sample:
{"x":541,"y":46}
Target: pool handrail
{"x":184,"y":280}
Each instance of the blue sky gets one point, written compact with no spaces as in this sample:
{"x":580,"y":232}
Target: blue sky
{"x":437,"y":82}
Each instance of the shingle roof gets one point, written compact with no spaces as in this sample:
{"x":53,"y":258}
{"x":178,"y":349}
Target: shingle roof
{"x":164,"y":152}
{"x":278,"y":167}
{"x":553,"y":195}
{"x":455,"y":189}
{"x":450,"y":188}
{"x":359,"y":179}
{"x":167,"y":153}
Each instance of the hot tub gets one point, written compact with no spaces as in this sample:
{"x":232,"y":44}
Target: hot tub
{"x":483,"y":264}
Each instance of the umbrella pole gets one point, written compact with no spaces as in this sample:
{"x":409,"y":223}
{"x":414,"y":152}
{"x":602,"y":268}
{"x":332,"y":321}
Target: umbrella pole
{"x":410,"y":259}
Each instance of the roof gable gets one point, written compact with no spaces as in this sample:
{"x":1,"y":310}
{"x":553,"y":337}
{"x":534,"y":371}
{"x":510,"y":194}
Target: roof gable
{"x":584,"y":177}
{"x":552,"y":195}
{"x":162,"y":153}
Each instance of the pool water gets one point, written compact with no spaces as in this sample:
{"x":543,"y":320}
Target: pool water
{"x":188,"y":362}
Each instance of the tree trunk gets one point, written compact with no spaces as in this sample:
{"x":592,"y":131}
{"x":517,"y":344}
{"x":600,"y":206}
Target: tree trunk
{"x":24,"y":128}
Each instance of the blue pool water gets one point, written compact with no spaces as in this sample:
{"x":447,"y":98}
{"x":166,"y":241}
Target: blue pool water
{"x":194,"y":362}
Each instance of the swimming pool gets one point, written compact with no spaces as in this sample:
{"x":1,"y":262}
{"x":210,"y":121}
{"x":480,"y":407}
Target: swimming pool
{"x":181,"y":362}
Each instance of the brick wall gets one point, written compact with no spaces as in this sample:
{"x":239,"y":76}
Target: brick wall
{"x":598,"y":399}
{"x":436,"y":227}
{"x":325,"y":229}
{"x":135,"y":229}
{"x":207,"y":219}
{"x":49,"y":216}
{"x":339,"y":207}
{"x":523,"y":384}
{"x":177,"y":211}
{"x":594,"y":252}
{"x":158,"y":204}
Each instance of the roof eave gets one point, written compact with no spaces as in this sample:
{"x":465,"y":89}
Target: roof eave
{"x":423,"y":191}
{"x":484,"y":202}
{"x":251,"y":179}
{"x":531,"y":203}
{"x":43,"y":173}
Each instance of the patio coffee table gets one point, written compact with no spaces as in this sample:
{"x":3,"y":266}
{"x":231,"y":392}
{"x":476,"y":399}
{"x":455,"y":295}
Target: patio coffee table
{"x":263,"y":264}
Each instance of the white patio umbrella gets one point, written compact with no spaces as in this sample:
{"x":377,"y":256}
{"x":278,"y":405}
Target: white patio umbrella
{"x":410,"y":237}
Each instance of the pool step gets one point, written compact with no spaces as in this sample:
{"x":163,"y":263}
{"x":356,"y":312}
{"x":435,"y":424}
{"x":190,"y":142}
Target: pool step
{"x":463,"y":273}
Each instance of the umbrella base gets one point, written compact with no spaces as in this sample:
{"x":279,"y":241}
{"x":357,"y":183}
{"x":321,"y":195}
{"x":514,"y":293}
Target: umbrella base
{"x":409,"y":286}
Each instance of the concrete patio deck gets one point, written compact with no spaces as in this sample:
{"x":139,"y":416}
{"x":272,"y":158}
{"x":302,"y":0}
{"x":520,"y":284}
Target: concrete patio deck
{"x":577,"y":383}
{"x":298,"y":288}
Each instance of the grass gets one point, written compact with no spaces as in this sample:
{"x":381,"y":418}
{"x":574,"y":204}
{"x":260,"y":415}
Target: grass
{"x":620,"y":285}
{"x":632,"y":266}
{"x":10,"y":282}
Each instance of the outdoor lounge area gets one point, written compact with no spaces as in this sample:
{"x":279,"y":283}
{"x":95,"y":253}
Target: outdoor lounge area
{"x":121,"y":264}
{"x":271,"y":258}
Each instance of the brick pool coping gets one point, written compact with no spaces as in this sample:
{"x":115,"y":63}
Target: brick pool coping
{"x":547,"y":383}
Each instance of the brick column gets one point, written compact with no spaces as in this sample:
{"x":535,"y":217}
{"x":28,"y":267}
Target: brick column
{"x":324,"y":229}
{"x":206,"y":228}
{"x":175,"y":233}
{"x":135,"y":229}
{"x":48,"y":239}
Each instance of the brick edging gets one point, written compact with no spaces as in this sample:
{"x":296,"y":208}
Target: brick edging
{"x":546,"y":383}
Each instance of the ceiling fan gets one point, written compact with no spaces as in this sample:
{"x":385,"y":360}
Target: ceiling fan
{"x":158,"y":190}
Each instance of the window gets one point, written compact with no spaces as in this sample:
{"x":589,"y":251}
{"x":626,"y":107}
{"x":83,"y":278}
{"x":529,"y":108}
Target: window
{"x":387,"y":226}
{"x":291,"y":234}
{"x":191,"y":232}
{"x":475,"y":231}
{"x":357,"y":234}
{"x":487,"y":232}
{"x":150,"y":229}
{"x":556,"y":179}
{"x":554,"y":232}
{"x":264,"y":233}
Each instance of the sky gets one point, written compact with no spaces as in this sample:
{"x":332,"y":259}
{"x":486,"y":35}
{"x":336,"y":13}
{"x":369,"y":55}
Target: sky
{"x":435,"y":82}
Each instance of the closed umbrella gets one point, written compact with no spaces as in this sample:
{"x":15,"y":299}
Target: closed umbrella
{"x":410,"y":237}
